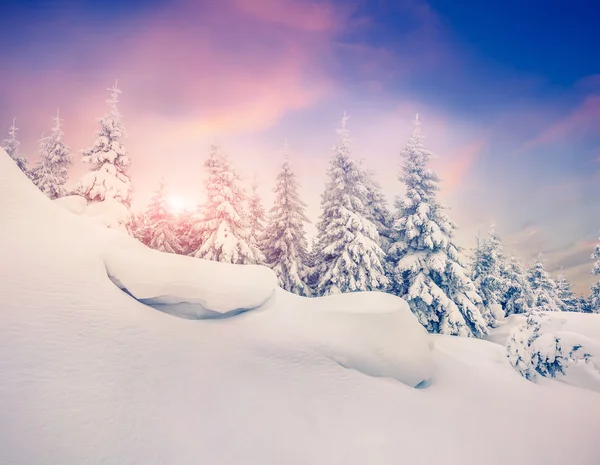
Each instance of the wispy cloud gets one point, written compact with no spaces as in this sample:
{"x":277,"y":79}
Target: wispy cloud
{"x":177,"y":61}
{"x":527,"y":242}
{"x":583,"y":120}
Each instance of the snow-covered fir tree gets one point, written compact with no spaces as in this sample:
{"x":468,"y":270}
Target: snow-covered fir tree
{"x":223,"y":234}
{"x":594,"y":297}
{"x":543,"y":287}
{"x":518,"y":296}
{"x":488,"y":264}
{"x":257,"y":215}
{"x":284,"y":242}
{"x":348,"y":254}
{"x":12,"y":144}
{"x":109,"y":159}
{"x":568,"y":302}
{"x":52,"y":171}
{"x":429,"y":273}
{"x":161,"y":223}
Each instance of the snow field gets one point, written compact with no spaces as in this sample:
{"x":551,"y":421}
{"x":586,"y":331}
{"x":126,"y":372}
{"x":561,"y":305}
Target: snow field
{"x":89,"y":375}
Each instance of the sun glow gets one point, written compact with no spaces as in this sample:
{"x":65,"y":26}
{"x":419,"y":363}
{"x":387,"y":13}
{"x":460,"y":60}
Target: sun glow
{"x":177,"y":204}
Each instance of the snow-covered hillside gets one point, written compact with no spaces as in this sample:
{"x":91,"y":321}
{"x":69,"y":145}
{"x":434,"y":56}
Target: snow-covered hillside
{"x":251,"y":374}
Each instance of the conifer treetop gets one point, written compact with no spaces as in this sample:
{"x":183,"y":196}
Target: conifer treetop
{"x":12,"y":131}
{"x":114,"y":98}
{"x":51,"y":172}
{"x":11,"y":146}
{"x":109,"y":158}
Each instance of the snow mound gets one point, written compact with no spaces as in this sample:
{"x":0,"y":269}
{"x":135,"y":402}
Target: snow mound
{"x":372,"y":332}
{"x":563,"y":346}
{"x":185,"y":286}
{"x":74,"y":203}
{"x":109,"y":212}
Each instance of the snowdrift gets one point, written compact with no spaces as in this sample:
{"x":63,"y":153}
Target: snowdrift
{"x":184,"y":286}
{"x":89,"y":375}
{"x":561,"y":345}
{"x":372,"y":332}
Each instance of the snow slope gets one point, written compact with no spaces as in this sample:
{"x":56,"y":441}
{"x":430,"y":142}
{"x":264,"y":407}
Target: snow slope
{"x":89,"y":375}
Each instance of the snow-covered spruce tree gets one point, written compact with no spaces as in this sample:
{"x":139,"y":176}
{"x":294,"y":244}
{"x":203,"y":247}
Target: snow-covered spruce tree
{"x":543,"y":287}
{"x":162,"y":234}
{"x":257,"y":215}
{"x":518,"y":296}
{"x":109,"y":159}
{"x":429,"y":273}
{"x":594,"y":298}
{"x":224,"y":230}
{"x":284,"y":242}
{"x":348,"y":254}
{"x":52,"y":171}
{"x":488,"y":264}
{"x":11,"y":145}
{"x":567,"y":301}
